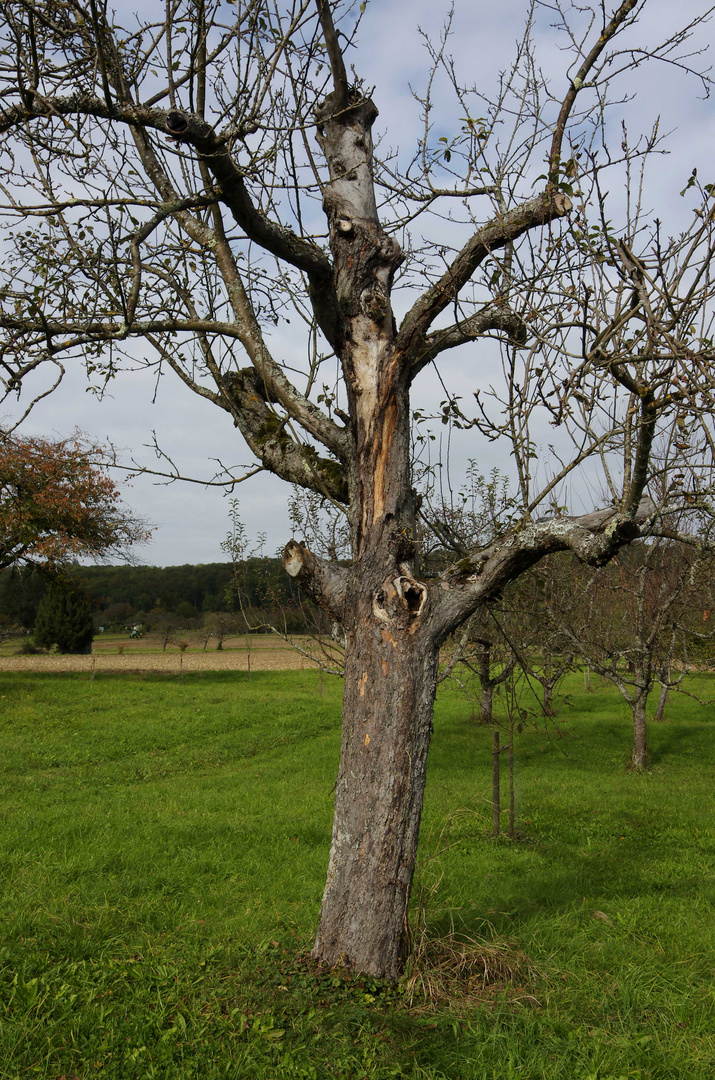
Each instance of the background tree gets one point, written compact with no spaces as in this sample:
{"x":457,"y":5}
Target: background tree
{"x":218,"y":625}
{"x":64,"y":619}
{"x":57,"y":502}
{"x":634,"y":617}
{"x":8,"y":629}
{"x":482,"y":652}
{"x":168,"y":626}
{"x":193,"y":175}
{"x":114,"y":616}
{"x":532,"y":617}
{"x":21,"y":590}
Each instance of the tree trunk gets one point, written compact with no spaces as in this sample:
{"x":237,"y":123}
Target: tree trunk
{"x":391,"y":659}
{"x":640,"y":756}
{"x":662,"y":702}
{"x":487,"y":685}
{"x":664,"y":689}
{"x":486,"y":703}
{"x":390,"y":681}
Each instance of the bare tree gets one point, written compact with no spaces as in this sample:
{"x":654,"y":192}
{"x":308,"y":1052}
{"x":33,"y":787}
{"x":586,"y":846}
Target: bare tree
{"x":532,"y":616}
{"x":636,"y":616}
{"x":484,"y":652}
{"x":219,"y":625}
{"x":167,"y":626}
{"x":178,"y":182}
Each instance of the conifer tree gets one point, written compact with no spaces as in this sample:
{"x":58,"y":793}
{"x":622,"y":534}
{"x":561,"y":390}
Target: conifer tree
{"x":64,"y":618}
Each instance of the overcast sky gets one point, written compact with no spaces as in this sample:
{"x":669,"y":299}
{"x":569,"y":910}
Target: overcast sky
{"x":191,"y":520}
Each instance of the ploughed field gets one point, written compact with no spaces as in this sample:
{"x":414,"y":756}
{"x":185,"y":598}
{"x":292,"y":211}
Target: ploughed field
{"x":259,"y":652}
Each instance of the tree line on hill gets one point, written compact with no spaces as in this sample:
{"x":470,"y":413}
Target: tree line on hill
{"x":558,"y":598}
{"x":157,"y":597}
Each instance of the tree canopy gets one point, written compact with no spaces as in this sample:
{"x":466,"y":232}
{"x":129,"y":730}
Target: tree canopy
{"x":57,"y":502}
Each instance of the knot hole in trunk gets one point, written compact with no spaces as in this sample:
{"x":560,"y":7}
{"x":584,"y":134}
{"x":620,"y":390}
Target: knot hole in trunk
{"x":401,"y":598}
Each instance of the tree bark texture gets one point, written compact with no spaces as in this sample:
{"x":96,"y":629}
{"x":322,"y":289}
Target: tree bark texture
{"x":662,"y":702}
{"x":640,"y":753}
{"x":391,"y":659}
{"x":390,"y":680}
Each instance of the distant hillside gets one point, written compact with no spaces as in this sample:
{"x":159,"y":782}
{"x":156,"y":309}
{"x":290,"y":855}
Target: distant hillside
{"x":145,"y":588}
{"x":206,"y":587}
{"x":264,"y":585}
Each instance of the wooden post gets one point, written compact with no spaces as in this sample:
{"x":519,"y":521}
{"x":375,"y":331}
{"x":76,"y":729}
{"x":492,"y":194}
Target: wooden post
{"x":512,"y":813}
{"x":496,"y":795}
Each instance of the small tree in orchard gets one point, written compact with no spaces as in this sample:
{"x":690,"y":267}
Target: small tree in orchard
{"x":178,"y":181}
{"x":64,"y":619}
{"x":534,"y":612}
{"x":483,"y":653}
{"x":632,"y":619}
{"x":218,"y":625}
{"x":248,"y":587}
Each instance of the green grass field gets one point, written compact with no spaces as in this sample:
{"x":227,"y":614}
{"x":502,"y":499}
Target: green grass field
{"x":163,"y":852}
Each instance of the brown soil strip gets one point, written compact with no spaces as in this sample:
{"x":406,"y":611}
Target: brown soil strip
{"x":276,"y":659}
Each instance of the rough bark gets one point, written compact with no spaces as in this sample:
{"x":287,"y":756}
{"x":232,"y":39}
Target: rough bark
{"x":640,"y":752}
{"x":390,"y":658}
{"x":662,"y":702}
{"x":390,"y":680}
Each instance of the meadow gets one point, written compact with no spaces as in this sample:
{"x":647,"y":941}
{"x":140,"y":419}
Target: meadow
{"x":163,"y":850}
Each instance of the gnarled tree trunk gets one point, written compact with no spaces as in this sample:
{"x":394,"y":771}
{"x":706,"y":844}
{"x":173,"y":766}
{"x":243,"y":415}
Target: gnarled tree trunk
{"x":390,"y":680}
{"x":391,"y":656}
{"x":394,"y":622}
